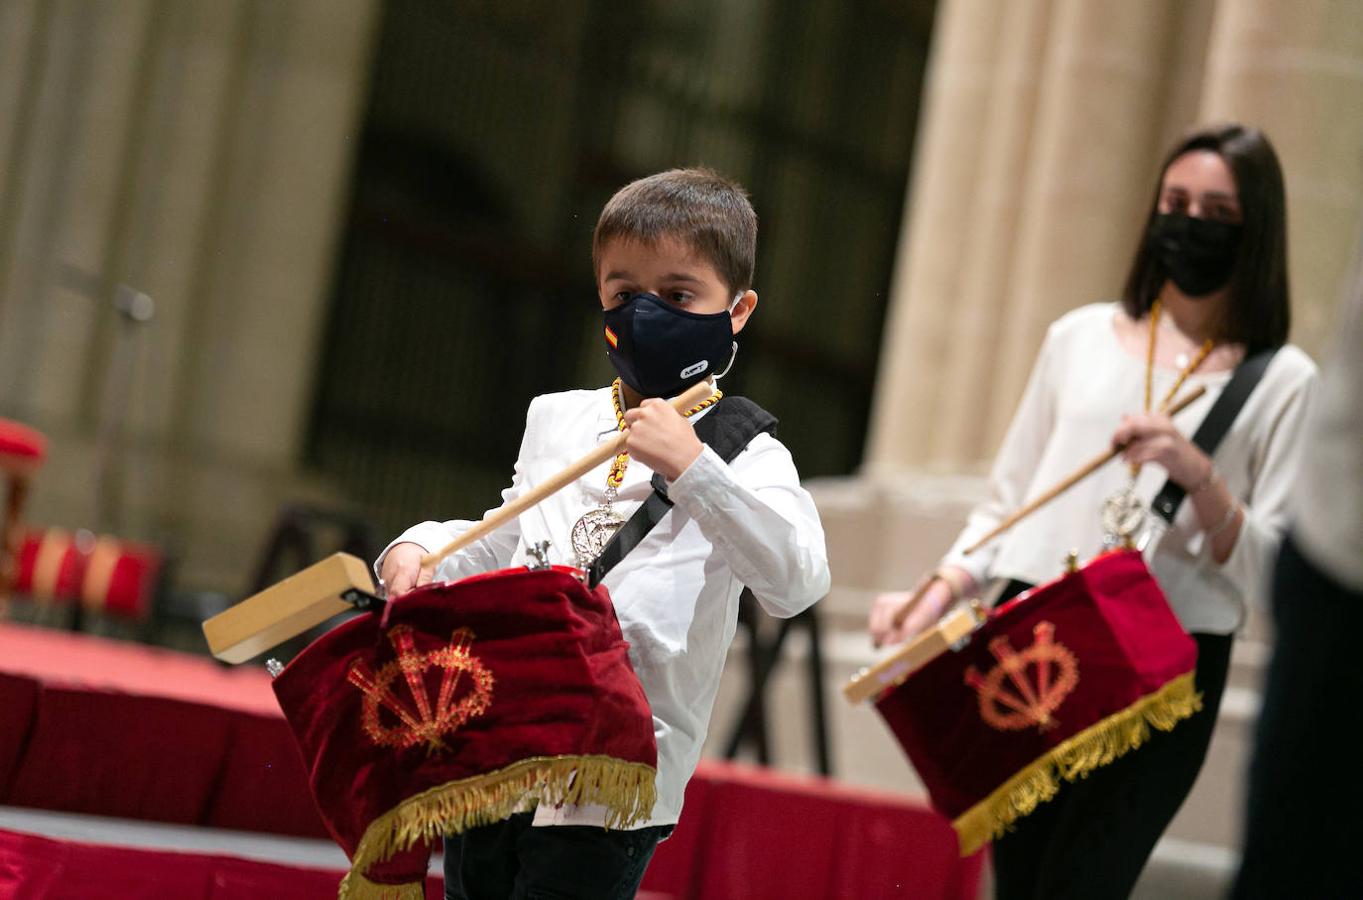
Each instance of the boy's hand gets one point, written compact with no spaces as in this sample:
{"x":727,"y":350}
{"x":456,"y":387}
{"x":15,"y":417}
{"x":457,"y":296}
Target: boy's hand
{"x":661,"y":438}
{"x":402,"y":569}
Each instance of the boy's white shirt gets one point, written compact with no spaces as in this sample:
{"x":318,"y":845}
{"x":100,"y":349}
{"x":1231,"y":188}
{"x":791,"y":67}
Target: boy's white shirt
{"x":676,"y":594}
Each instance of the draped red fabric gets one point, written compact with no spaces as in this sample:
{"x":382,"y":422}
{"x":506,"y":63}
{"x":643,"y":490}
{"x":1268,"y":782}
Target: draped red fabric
{"x":749,"y":833}
{"x":20,"y":446}
{"x":66,"y":767}
{"x":18,"y":699}
{"x":90,"y":725}
{"x":969,"y":724}
{"x":39,"y":867}
{"x":462,"y":683}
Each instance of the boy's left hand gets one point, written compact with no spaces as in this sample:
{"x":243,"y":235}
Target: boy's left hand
{"x":661,"y":438}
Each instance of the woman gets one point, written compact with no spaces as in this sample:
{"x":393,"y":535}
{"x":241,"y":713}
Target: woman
{"x":1207,"y":287}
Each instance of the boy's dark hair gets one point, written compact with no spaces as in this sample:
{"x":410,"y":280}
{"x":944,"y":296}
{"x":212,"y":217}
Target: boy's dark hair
{"x":698,"y":207}
{"x":1258,"y":314}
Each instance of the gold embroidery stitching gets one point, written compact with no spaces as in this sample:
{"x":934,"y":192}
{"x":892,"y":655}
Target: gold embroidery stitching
{"x":422,"y":724}
{"x":1031,"y":702}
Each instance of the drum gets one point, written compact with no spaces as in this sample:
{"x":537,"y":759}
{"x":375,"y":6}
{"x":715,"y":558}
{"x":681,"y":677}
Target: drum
{"x":463,"y":703}
{"x":1055,"y":683}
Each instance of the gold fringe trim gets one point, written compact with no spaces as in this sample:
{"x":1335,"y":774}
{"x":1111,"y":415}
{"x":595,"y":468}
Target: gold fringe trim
{"x":356,"y":887}
{"x":1092,"y":748}
{"x":626,"y":789}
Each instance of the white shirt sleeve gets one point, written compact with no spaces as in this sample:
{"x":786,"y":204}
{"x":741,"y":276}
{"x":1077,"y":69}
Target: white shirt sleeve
{"x":1267,"y":506}
{"x":761,"y":521}
{"x":1328,"y":509}
{"x":1015,"y":466}
{"x":488,"y":553}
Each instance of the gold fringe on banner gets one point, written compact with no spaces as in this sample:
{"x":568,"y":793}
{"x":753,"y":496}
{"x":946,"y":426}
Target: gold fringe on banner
{"x":625,"y":789}
{"x":1092,"y":748}
{"x":356,"y":887}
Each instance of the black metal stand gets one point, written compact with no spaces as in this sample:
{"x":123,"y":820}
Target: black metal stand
{"x":750,"y":727}
{"x":293,"y":540}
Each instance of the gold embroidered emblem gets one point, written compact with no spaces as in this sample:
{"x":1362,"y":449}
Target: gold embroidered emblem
{"x":420,"y":722}
{"x":1027,"y":687}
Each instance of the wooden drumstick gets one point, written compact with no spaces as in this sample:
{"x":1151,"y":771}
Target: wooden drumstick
{"x":607,"y":450}
{"x":1072,"y":479}
{"x":342,"y":582}
{"x":903,"y":612}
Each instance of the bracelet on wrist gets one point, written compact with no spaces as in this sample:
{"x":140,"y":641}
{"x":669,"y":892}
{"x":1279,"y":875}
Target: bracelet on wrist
{"x":1205,"y":483}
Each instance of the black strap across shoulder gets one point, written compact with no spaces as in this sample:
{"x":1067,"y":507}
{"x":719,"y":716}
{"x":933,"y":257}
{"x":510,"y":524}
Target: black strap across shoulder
{"x":727,"y":428}
{"x":1214,"y":427}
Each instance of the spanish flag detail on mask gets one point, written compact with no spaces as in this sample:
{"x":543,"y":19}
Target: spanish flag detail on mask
{"x":611,"y":338}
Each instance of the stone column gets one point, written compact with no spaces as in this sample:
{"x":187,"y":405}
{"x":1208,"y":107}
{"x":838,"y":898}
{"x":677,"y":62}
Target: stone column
{"x":199,"y":151}
{"x":1037,"y":151}
{"x":1295,"y":69}
{"x":937,"y":226}
{"x":1096,"y":135}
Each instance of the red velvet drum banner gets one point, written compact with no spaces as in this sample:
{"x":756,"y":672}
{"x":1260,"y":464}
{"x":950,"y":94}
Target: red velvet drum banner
{"x":1060,"y":681}
{"x":466,"y":702}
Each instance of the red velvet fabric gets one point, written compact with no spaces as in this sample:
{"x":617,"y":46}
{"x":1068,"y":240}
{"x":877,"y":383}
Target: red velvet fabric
{"x":748,"y":833}
{"x":887,"y":846}
{"x":1110,"y":615}
{"x":61,"y":581}
{"x":131,"y":584}
{"x":20,"y":446}
{"x":91,"y":725}
{"x":262,"y":784}
{"x":39,"y":867}
{"x":18,"y":698}
{"x":117,"y":577}
{"x":561,"y":684}
{"x":68,"y":766}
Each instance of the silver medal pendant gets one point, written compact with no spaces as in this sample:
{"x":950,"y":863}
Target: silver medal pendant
{"x":1123,"y":517}
{"x":593,"y":532}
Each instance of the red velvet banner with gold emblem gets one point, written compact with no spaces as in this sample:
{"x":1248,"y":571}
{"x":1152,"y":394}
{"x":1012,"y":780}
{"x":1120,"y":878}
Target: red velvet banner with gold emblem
{"x":464,"y":703}
{"x":1056,"y":683}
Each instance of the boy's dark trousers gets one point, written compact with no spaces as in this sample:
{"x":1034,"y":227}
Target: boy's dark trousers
{"x":513,"y":859}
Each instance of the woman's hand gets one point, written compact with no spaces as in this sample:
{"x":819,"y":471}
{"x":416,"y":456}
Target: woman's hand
{"x":938,"y":596}
{"x":402,"y":569}
{"x":1152,"y":437}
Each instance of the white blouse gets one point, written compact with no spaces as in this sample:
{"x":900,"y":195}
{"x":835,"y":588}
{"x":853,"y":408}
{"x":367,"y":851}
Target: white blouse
{"x":1083,"y":382}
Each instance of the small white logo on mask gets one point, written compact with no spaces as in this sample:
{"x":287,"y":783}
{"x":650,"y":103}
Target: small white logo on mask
{"x":695,"y":369}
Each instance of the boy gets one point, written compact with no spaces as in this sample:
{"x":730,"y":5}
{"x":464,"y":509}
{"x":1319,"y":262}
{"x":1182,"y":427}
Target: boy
{"x":673,"y":256}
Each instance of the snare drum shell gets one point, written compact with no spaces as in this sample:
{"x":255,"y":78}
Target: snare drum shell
{"x":1110,"y":619}
{"x":561,"y":686}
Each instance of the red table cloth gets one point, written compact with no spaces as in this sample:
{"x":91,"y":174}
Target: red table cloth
{"x":91,"y":725}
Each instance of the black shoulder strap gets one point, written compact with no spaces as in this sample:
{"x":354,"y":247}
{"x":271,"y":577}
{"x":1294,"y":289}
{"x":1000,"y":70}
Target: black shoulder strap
{"x":726,"y":429}
{"x":1217,"y":423}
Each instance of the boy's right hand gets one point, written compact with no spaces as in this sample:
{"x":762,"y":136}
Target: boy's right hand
{"x":402,"y":569}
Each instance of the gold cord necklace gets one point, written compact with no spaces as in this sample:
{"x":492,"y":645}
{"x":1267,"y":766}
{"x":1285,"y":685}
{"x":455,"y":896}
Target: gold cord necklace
{"x":1124,"y":513}
{"x":593,"y":531}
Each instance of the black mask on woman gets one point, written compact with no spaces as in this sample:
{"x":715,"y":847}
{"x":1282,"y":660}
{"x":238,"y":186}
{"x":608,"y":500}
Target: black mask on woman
{"x":660,"y":350}
{"x":1198,"y":254}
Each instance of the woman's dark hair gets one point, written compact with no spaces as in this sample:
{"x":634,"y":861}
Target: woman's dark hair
{"x":1258,"y":314}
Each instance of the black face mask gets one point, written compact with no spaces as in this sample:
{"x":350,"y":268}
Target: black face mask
{"x":660,"y":350}
{"x":1197,"y":254}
